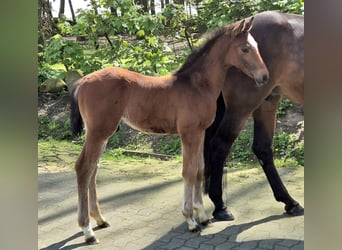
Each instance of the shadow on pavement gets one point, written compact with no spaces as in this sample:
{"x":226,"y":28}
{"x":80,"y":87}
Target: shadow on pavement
{"x":112,"y":199}
{"x":60,"y":244}
{"x":180,"y":238}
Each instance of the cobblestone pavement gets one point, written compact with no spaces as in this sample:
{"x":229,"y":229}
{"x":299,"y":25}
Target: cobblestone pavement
{"x":145,"y":212}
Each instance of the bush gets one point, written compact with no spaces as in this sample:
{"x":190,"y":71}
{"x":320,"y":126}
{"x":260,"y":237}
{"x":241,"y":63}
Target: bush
{"x":285,"y":145}
{"x":170,"y":145}
{"x":284,"y":105}
{"x":55,"y":129}
{"x":241,"y":148}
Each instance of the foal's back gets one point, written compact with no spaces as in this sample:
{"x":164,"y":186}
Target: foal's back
{"x":150,"y":104}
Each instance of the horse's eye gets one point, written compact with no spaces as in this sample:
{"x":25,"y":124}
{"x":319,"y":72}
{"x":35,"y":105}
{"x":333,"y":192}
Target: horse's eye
{"x":245,"y":50}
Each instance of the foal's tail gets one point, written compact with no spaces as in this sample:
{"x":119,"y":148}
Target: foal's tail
{"x":75,"y":115}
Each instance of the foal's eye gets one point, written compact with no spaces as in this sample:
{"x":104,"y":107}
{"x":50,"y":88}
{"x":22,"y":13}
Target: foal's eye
{"x":245,"y":50}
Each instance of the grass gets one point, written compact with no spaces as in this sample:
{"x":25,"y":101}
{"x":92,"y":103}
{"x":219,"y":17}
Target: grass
{"x":57,"y":155}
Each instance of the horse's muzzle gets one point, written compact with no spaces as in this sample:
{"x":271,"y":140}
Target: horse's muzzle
{"x":262,"y":80}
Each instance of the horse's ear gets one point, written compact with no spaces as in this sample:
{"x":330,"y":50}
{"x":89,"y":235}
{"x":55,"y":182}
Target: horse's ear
{"x":239,"y":28}
{"x":248,"y":25}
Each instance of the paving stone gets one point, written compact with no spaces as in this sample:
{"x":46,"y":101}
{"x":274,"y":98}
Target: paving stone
{"x":299,"y":246}
{"x":146,"y":214}
{"x":227,"y":245}
{"x":268,"y":244}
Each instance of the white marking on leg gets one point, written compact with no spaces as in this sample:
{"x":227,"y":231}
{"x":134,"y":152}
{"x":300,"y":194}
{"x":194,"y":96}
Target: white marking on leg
{"x":192,"y":224}
{"x":201,"y":212}
{"x":88,"y":231}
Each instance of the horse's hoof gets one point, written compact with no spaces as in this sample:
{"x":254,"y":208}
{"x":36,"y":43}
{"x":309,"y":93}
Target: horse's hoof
{"x":205,"y":223}
{"x":92,"y":240}
{"x":223,"y":215}
{"x":296,"y":210}
{"x":104,"y":225}
{"x":197,"y":229}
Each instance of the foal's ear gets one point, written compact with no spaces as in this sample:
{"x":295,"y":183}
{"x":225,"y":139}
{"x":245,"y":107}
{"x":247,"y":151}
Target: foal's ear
{"x":243,"y":27}
{"x":239,"y":28}
{"x":248,"y":25}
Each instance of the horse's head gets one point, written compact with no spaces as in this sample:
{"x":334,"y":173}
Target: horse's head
{"x":244,"y":53}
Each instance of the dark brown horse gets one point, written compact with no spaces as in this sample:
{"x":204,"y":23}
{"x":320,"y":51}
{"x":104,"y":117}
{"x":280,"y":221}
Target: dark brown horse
{"x":181,"y":103}
{"x":280,"y":38}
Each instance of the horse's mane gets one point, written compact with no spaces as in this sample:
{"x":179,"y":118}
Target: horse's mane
{"x":204,"y":48}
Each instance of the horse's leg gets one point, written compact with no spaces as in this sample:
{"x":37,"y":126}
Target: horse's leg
{"x":191,"y":144}
{"x":95,"y":211}
{"x":220,"y":145}
{"x":85,"y":171}
{"x":198,"y":201}
{"x":209,"y":134}
{"x":264,"y":125}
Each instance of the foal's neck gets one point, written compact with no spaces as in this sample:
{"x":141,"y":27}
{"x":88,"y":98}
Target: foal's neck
{"x":206,"y":69}
{"x":214,"y":65}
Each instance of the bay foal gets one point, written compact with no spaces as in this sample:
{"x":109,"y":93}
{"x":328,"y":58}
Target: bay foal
{"x":181,"y":103}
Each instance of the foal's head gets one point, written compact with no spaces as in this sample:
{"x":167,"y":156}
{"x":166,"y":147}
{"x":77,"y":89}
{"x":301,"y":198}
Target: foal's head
{"x":244,"y":53}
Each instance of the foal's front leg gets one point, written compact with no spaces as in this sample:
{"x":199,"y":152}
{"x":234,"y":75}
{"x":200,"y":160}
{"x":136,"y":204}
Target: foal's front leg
{"x":192,"y":168}
{"x":198,"y":204}
{"x":188,"y":208}
{"x":198,"y":201}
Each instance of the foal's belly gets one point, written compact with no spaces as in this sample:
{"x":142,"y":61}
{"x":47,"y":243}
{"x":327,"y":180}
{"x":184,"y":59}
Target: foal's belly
{"x":152,"y":125}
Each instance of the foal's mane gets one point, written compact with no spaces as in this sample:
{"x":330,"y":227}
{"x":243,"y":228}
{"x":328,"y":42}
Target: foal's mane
{"x":204,"y":48}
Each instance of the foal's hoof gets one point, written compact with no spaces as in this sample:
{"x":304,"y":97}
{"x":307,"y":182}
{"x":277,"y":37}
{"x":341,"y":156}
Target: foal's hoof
{"x":296,"y":210}
{"x":104,"y":225}
{"x":223,"y":215}
{"x":92,"y":240}
{"x":205,"y":223}
{"x":197,"y":229}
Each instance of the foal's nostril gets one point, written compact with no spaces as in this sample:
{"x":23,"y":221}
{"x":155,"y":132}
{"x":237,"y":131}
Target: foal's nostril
{"x":262,"y":80}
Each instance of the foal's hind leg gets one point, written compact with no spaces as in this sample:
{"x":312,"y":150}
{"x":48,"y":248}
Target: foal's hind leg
{"x":85,"y":171}
{"x":264,"y":124}
{"x":95,"y":211}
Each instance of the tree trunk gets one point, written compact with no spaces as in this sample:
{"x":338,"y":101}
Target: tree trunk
{"x":72,"y":12}
{"x":144,"y":3}
{"x":113,"y":11}
{"x":94,"y":6}
{"x":179,"y":2}
{"x":152,"y":7}
{"x":61,"y":8}
{"x":46,"y":24}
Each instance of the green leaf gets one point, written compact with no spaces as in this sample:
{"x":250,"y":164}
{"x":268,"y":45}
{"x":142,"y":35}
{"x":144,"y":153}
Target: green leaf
{"x":151,"y":41}
{"x":141,"y":33}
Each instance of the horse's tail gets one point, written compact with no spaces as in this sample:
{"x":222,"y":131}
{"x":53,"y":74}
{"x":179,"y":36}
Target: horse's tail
{"x":207,"y":166}
{"x":209,"y":134}
{"x":75,"y":115}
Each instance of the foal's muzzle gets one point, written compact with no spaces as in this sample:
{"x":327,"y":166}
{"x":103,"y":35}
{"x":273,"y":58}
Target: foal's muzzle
{"x":262,"y":80}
